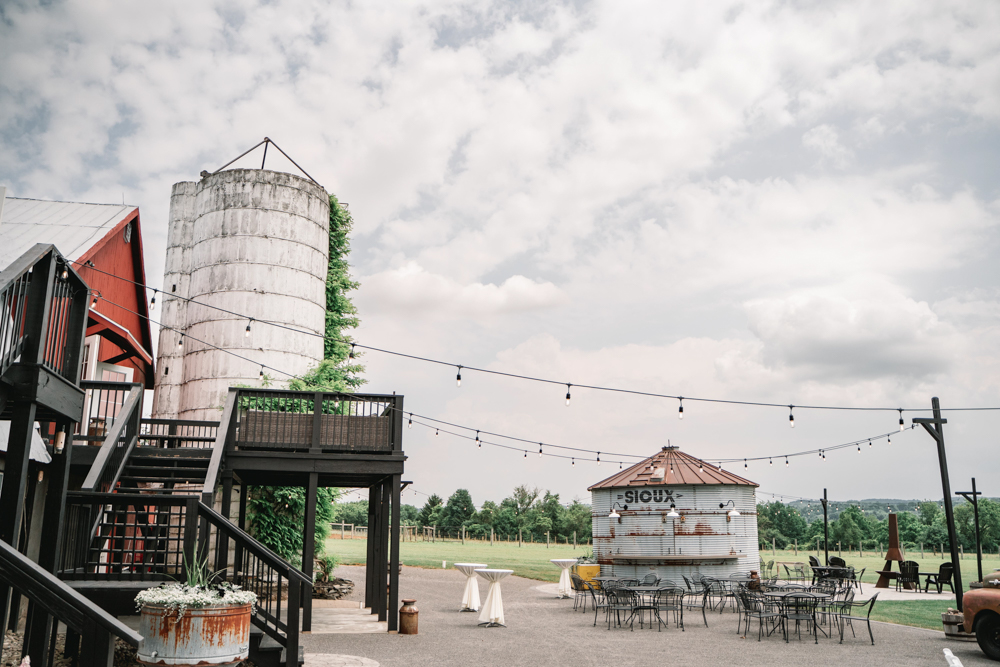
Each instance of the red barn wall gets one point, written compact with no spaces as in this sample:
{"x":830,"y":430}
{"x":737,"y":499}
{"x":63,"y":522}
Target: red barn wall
{"x":121,"y":300}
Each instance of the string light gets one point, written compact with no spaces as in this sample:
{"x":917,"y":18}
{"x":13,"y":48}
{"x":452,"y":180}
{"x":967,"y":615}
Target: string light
{"x":745,"y":464}
{"x":791,"y":417}
{"x":567,"y":395}
{"x":619,"y":465}
{"x":573,"y":462}
{"x":410,"y":425}
{"x":65,"y":273}
{"x":598,"y":458}
{"x":701,"y":467}
{"x":478,"y":441}
{"x":246,"y":334}
{"x":859,"y":448}
{"x":680,"y":407}
{"x":93,"y":304}
{"x":458,"y":378}
{"x":770,"y":463}
{"x":152,"y":302}
{"x":901,"y":424}
{"x":526,"y":453}
{"x":437,"y":429}
{"x":869,"y":444}
{"x":539,"y":450}
{"x":261,"y":372}
{"x":351,"y":354}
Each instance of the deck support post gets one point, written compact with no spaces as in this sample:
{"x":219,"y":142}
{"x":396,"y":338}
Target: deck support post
{"x":309,"y":546}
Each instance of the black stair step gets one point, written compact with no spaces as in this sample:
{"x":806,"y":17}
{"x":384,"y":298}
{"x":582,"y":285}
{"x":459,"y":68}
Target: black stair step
{"x":161,"y":470}
{"x":177,"y":453}
{"x":162,"y":480}
{"x":267,"y":644}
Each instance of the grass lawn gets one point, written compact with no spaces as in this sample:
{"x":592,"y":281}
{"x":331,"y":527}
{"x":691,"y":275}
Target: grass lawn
{"x":530,"y":560}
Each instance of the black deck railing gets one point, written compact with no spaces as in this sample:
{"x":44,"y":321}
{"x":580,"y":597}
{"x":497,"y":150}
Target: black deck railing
{"x":300,"y":421}
{"x":44,"y":307}
{"x":177,"y":433}
{"x":133,"y":537}
{"x":66,"y":606}
{"x":113,"y":412}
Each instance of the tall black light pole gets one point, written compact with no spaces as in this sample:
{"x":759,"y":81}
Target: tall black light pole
{"x":974,"y":499}
{"x":826,"y":531}
{"x":935,"y":427}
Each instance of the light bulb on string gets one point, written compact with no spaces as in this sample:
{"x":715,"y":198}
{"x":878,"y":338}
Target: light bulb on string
{"x":620,"y":465}
{"x":701,"y":466}
{"x":573,"y":463}
{"x":351,"y":355}
{"x":152,"y":302}
{"x":526,"y":453}
{"x":859,"y":449}
{"x":744,"y":464}
{"x":539,"y":450}
{"x":458,"y":378}
{"x":869,"y":443}
{"x":598,"y":458}
{"x":437,"y":431}
{"x":680,"y":407}
{"x":65,"y":273}
{"x":770,"y":463}
{"x":261,"y":375}
{"x":791,"y":417}
{"x":888,"y":439}
{"x":410,"y":424}
{"x":180,"y":341}
{"x":901,"y":424}
{"x":567,"y":394}
{"x":786,"y":461}
{"x":478,"y":441}
{"x":246,"y":334}
{"x":93,"y":304}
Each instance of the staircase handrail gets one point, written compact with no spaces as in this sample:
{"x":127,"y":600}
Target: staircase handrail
{"x":58,"y":599}
{"x":299,"y":583}
{"x":249,"y":543}
{"x":219,"y":449}
{"x":113,"y":455}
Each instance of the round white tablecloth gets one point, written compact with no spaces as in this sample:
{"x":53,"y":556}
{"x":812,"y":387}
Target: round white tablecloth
{"x":492,"y":613}
{"x":470,"y":597}
{"x":565,"y":585}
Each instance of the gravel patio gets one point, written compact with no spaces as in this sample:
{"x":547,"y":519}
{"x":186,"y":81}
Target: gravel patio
{"x":543,"y":630}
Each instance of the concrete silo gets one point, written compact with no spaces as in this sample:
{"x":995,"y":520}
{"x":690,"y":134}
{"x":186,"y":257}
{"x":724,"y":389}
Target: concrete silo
{"x":252,"y":242}
{"x":673,"y":514}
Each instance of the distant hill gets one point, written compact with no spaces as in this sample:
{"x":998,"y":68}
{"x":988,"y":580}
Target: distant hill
{"x":812,"y":510}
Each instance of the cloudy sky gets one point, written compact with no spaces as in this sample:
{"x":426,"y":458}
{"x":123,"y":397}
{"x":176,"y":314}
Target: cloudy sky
{"x":787,"y":202}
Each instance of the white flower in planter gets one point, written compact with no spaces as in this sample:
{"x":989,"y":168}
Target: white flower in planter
{"x":181,"y":597}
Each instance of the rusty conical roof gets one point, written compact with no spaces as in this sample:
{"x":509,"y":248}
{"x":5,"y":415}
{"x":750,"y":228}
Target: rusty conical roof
{"x":679,"y":468}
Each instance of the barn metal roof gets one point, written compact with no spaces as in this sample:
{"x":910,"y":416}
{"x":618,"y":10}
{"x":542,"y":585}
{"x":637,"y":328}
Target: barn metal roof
{"x":679,"y":468}
{"x":73,"y":227}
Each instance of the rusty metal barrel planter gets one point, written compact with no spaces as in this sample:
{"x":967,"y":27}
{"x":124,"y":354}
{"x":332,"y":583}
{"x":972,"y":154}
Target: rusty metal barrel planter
{"x":216,"y":636}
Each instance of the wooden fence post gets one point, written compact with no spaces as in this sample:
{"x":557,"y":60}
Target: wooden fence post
{"x":491,"y":536}
{"x":574,"y":539}
{"x":796,"y":546}
{"x":546,"y":539}
{"x":774,"y":549}
{"x":518,"y":537}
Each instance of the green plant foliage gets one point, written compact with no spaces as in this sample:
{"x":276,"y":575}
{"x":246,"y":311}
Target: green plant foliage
{"x":276,"y":517}
{"x":341,"y":314}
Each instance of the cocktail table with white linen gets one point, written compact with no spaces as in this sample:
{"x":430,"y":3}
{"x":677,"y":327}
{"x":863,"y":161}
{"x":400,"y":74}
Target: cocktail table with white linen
{"x":470,"y":597}
{"x":492,"y":613}
{"x":565,"y":585}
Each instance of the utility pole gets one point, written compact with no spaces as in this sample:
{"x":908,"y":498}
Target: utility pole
{"x":935,"y":427}
{"x":974,"y":499}
{"x":826,"y":531}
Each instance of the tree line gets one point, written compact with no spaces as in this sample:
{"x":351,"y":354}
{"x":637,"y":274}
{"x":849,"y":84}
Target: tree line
{"x":855,"y":526}
{"x":529,"y":510}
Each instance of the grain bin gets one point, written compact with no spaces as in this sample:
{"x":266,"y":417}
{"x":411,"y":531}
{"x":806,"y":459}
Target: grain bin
{"x":703,"y":538}
{"x":252,"y":242}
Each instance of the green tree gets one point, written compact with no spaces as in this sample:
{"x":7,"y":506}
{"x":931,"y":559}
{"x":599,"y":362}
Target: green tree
{"x":427,"y":512}
{"x":554,"y":512}
{"x":578,"y":519}
{"x":355,"y":512}
{"x":276,"y":517}
{"x":459,"y":510}
{"x":928,"y":512}
{"x":846,"y":530}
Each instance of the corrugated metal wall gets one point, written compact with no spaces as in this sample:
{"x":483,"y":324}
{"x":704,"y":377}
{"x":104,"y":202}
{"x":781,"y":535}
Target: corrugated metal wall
{"x":702,"y":529}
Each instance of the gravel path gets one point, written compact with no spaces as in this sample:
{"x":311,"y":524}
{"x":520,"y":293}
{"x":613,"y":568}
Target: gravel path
{"x":543,"y":630}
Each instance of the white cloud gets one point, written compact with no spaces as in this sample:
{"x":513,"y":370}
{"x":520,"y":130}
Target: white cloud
{"x":412,"y":291}
{"x":824,"y":140}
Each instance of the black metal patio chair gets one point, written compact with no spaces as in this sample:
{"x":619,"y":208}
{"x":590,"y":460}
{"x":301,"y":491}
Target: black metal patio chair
{"x":580,"y":594}
{"x":800,"y":607}
{"x":598,"y":596}
{"x":649,"y":580}
{"x":942,"y":578}
{"x":698,"y":599}
{"x":847,"y":618}
{"x":669,"y":601}
{"x":757,"y":607}
{"x":621,"y":602}
{"x":908,"y":574}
